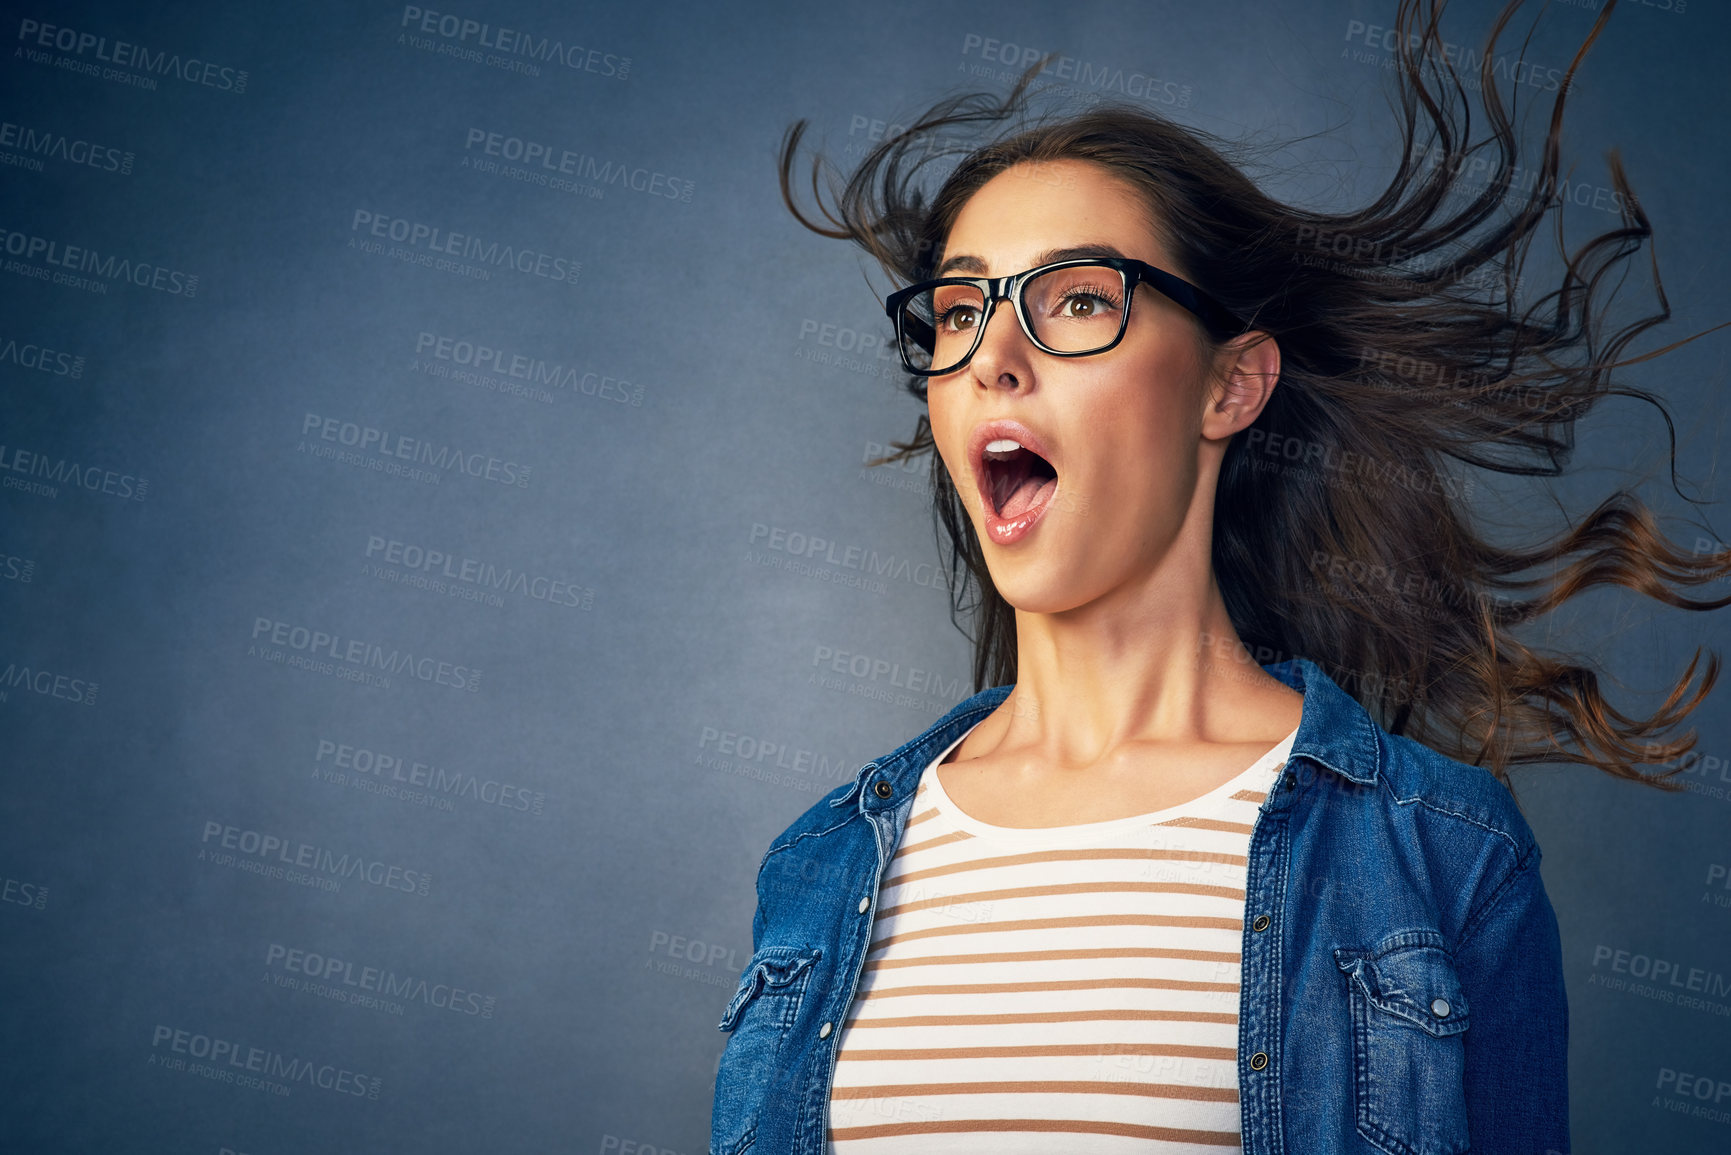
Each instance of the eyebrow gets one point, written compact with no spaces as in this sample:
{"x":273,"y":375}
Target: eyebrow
{"x":971,"y":264}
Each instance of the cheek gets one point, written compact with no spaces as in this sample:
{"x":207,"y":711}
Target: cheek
{"x":1160,"y":416}
{"x":1141,"y":453}
{"x":951,"y":442}
{"x":1125,"y":479}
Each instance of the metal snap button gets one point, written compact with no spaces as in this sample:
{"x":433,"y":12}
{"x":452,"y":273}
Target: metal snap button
{"x":1440,"y":1008}
{"x":883,"y":789}
{"x":864,"y":905}
{"x":1260,"y":924}
{"x":1258,"y":1061}
{"x":823,"y":1031}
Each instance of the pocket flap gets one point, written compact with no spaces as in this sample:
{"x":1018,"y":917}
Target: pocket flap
{"x":771,"y":968}
{"x":1414,"y":981}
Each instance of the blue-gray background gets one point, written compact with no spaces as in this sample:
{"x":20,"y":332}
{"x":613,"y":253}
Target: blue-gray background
{"x":616,"y":524}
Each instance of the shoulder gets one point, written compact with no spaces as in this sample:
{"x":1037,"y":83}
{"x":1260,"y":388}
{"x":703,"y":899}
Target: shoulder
{"x":1426,"y":796}
{"x":1416,"y":835}
{"x":823,"y":816}
{"x":900,"y":768}
{"x":1464,"y":800}
{"x":1458,"y":828}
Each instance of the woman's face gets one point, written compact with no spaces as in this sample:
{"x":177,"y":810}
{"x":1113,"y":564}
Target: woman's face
{"x":1121,"y":430}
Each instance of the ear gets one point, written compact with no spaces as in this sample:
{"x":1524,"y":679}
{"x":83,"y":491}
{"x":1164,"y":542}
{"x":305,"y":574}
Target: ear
{"x":1246,"y":369}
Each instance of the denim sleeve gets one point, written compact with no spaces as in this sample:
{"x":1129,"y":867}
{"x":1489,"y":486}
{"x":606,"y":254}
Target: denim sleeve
{"x":1517,"y":1048}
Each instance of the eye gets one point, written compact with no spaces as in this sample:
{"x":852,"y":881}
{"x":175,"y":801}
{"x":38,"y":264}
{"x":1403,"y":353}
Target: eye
{"x":958,"y":318}
{"x":1085,"y":304}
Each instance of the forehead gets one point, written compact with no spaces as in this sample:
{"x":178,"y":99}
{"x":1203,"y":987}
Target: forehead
{"x":1032,"y":208}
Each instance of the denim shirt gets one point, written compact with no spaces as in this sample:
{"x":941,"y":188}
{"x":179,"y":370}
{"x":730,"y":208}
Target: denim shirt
{"x":1402,"y":985}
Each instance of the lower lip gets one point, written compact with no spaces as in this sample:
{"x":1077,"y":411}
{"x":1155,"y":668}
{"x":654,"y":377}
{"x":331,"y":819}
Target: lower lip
{"x":1009,"y":530}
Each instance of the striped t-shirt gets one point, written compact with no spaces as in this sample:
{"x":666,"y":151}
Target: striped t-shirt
{"x":1070,"y":988}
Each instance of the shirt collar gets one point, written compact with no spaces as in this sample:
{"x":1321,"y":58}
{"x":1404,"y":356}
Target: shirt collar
{"x":1333,"y":730}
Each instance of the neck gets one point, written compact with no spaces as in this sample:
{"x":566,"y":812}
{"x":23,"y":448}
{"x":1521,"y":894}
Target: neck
{"x":1157,"y":661}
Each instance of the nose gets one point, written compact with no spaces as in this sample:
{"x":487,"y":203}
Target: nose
{"x":1003,"y":357}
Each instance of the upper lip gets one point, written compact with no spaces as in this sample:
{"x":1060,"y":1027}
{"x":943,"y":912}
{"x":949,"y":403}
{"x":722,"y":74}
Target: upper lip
{"x":989,"y":431}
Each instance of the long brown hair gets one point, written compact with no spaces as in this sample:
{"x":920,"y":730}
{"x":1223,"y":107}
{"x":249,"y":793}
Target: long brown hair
{"x":1340,"y":532}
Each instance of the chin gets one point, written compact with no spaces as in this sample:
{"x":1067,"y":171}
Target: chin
{"x":1040,"y":588}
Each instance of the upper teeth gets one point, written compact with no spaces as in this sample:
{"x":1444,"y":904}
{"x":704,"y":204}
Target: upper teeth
{"x":1003,"y":445}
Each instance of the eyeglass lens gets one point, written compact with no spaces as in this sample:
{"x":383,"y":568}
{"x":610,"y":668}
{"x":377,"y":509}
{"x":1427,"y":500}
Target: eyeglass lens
{"x":1078,"y":309}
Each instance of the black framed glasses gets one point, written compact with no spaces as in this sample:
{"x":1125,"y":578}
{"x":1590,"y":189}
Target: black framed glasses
{"x":1072,"y":308}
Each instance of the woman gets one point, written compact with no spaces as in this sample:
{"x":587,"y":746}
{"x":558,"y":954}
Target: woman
{"x":1146,"y":893}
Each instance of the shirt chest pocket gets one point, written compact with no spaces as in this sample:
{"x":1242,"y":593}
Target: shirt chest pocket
{"x":754,"y":1069}
{"x":1408,"y":1015}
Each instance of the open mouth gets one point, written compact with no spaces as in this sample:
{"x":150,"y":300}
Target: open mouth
{"x":1017,"y":480}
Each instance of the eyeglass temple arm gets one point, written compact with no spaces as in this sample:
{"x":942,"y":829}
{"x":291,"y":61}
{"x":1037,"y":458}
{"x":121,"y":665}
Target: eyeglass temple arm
{"x":923,"y":334}
{"x":1191,"y":298}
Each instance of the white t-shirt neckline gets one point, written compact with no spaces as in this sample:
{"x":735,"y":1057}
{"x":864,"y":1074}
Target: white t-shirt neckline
{"x":1255,"y":776}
